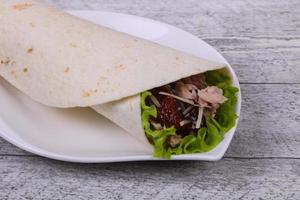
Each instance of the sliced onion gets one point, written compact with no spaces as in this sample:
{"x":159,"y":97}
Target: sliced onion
{"x":157,"y":126}
{"x":184,"y":122}
{"x":187,"y":110}
{"x":155,"y":101}
{"x":199,"y":120}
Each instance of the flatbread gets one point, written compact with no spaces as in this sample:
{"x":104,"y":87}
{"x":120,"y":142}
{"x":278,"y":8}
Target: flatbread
{"x":62,"y":61}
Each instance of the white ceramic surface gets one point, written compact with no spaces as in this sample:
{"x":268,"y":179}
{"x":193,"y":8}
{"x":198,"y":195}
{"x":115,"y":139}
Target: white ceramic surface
{"x":77,"y":134}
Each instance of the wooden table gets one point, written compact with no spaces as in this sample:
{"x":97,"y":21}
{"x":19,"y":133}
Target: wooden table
{"x":261,"y":39}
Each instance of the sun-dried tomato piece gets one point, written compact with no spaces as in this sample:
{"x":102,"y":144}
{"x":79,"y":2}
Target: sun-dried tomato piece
{"x":168,"y":114}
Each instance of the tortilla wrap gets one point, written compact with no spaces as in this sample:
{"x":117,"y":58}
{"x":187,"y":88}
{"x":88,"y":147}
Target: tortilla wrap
{"x":63,"y":61}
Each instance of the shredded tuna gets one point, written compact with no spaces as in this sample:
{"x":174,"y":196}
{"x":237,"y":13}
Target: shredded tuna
{"x":174,"y":140}
{"x":187,"y":91}
{"x":197,"y":80}
{"x":210,"y":112}
{"x":203,"y":103}
{"x":212,"y":95}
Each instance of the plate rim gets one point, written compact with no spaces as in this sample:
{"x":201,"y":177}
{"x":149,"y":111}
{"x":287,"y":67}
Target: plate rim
{"x":104,"y":159}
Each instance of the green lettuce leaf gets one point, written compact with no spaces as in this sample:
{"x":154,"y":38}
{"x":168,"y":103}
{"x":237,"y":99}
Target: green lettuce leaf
{"x":210,"y":136}
{"x":156,"y":137}
{"x":225,"y":117}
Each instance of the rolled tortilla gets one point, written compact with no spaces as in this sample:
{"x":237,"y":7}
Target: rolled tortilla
{"x":126,"y":113}
{"x":62,"y":61}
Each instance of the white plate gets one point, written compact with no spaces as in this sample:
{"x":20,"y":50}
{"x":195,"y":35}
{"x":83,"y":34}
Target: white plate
{"x":76,"y":134}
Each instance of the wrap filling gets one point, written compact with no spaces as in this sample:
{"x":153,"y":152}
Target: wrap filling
{"x":190,"y":115}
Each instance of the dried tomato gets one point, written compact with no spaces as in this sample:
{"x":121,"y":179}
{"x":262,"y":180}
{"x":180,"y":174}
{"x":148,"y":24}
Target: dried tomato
{"x":168,"y":113}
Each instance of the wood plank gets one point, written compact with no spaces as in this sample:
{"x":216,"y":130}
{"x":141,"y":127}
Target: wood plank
{"x":269,"y":125}
{"x":265,"y":65}
{"x":37,"y":178}
{"x":8,"y":149}
{"x":257,"y":60}
{"x":254,"y":44}
{"x":241,"y":18}
{"x":261,"y":41}
{"x":270,"y":122}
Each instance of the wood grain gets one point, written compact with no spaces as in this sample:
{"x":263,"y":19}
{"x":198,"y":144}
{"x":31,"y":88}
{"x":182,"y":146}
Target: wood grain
{"x":213,"y":18}
{"x":270,"y":122}
{"x":38,"y":178}
{"x":261,"y":40}
{"x":261,"y":60}
{"x":8,"y":149}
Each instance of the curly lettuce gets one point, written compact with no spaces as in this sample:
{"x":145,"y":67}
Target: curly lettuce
{"x":205,"y":139}
{"x":225,"y":117}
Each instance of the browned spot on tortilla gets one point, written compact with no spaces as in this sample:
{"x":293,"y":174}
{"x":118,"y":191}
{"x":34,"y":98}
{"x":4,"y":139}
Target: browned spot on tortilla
{"x":119,"y":67}
{"x":177,"y":58}
{"x":85,"y":94}
{"x":30,"y":50}
{"x":103,"y":78}
{"x":13,"y":73}
{"x":136,"y":40}
{"x":131,"y":106}
{"x":95,"y":91}
{"x":73,"y":45}
{"x":67,"y":70}
{"x":25,"y":70}
{"x":22,"y":6}
{"x":32,"y":24}
{"x":5,"y":61}
{"x":128,"y":45}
